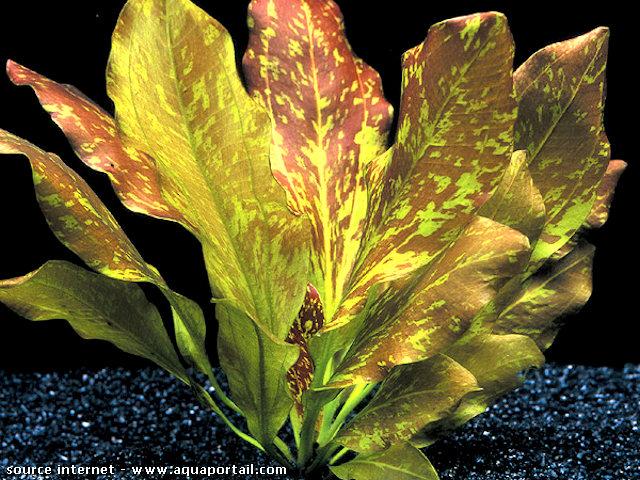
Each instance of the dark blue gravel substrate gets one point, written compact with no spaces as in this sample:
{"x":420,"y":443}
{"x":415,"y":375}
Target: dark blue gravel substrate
{"x":569,"y":423}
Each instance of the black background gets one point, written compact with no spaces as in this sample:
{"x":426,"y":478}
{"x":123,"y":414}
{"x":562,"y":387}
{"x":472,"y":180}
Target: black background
{"x":69,"y":41}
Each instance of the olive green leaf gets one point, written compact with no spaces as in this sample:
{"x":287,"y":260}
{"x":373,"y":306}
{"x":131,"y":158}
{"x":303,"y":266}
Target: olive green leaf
{"x":561,"y":92}
{"x":497,"y":362}
{"x":330,"y":119}
{"x":435,"y":308}
{"x":97,"y":307}
{"x":547,"y":296}
{"x":454,"y":141}
{"x":517,"y":203}
{"x":411,"y":397}
{"x":80,"y":220}
{"x":173,"y":78}
{"x":399,"y":462}
{"x":256,"y":368}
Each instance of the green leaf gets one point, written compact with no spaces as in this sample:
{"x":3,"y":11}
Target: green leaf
{"x":411,"y":397}
{"x":517,"y":203}
{"x":454,"y":141}
{"x":172,"y":76}
{"x":425,"y":315}
{"x":256,"y":368}
{"x":80,"y":220}
{"x":330,"y":119}
{"x":549,"y":295}
{"x":497,"y":363}
{"x":400,"y":462}
{"x":561,"y":92}
{"x":97,"y":307}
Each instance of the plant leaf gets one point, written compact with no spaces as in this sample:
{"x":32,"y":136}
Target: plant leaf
{"x":330,"y":119}
{"x":256,"y":367}
{"x":453,"y":142}
{"x":548,"y":296}
{"x":93,"y":136}
{"x":497,"y":362}
{"x":411,"y":397}
{"x":178,"y":97}
{"x":309,"y":321}
{"x":399,"y":462}
{"x":80,"y":220}
{"x":431,"y":311}
{"x":561,"y":92}
{"x":600,"y":211}
{"x":517,"y":203}
{"x":78,"y":217}
{"x":97,"y":307}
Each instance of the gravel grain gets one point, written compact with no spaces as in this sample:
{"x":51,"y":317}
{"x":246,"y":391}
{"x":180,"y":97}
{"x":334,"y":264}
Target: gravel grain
{"x":566,"y":422}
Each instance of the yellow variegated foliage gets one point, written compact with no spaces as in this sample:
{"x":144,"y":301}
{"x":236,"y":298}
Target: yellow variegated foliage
{"x":435,"y":270}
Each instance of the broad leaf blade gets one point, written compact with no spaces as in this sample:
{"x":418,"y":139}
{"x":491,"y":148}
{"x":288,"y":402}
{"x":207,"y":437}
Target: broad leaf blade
{"x":256,"y":367}
{"x":454,"y":140}
{"x":400,"y":462}
{"x":517,"y":203}
{"x":93,"y":136}
{"x":549,"y":295}
{"x":424,"y":316}
{"x":497,"y":362}
{"x":80,"y":220}
{"x":97,"y":307}
{"x":78,"y":217}
{"x":600,"y":211}
{"x":178,"y":97}
{"x":330,"y":119}
{"x":411,"y":397}
{"x":561,"y":91}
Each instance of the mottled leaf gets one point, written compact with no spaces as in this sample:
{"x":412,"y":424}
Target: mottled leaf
{"x":546,"y":297}
{"x":256,"y":368}
{"x":497,"y":362}
{"x":400,"y":462}
{"x":80,"y":220}
{"x":93,"y":136}
{"x":97,"y":307}
{"x":423,"y":317}
{"x":561,"y":91}
{"x":411,"y":397}
{"x":517,"y":203}
{"x":453,"y":143}
{"x":309,"y":321}
{"x":173,"y":78}
{"x":78,"y":217}
{"x":330,"y":119}
{"x":600,"y":211}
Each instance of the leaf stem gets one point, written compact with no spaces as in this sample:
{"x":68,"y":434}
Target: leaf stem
{"x":356,"y":396}
{"x":217,"y":389}
{"x":216,"y":409}
{"x":343,"y":451}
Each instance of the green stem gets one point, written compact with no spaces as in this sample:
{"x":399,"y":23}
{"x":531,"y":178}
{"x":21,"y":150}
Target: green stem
{"x":284,"y":448}
{"x":214,"y":406}
{"x":338,"y":455}
{"x":356,"y":396}
{"x":217,"y":389}
{"x":307,"y":432}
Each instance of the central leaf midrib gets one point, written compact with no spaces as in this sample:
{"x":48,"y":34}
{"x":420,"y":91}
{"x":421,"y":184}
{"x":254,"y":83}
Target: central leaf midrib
{"x":194,"y":153}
